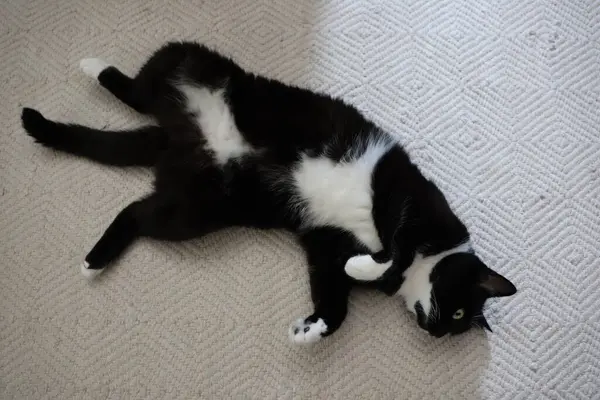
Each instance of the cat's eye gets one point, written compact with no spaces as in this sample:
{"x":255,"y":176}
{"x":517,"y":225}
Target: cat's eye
{"x":458,"y":314}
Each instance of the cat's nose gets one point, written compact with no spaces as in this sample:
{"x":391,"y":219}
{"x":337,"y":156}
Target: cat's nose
{"x":437,"y":334}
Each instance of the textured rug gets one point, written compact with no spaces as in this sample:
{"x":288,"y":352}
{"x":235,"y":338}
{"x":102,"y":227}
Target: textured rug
{"x":498,"y":101}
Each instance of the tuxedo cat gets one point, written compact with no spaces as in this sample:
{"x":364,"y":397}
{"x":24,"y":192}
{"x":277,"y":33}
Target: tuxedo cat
{"x":235,"y":149}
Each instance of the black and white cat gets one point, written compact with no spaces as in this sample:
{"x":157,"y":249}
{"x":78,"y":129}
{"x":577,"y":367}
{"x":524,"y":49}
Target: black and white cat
{"x":235,"y":149}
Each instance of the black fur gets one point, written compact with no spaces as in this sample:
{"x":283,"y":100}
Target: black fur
{"x":136,"y":147}
{"x":195,"y":195}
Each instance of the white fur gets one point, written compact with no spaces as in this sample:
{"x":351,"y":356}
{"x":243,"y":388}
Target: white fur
{"x":416,"y":285}
{"x":216,"y":122}
{"x":364,"y":268}
{"x":93,"y":66}
{"x":89,"y":273}
{"x":340,"y":194}
{"x":314,"y":333}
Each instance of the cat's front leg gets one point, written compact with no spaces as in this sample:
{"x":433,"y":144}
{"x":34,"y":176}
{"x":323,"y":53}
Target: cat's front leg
{"x":329,"y":288}
{"x":327,"y":251}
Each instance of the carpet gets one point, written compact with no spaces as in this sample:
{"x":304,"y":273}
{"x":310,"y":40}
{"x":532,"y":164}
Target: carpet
{"x":498,"y":101}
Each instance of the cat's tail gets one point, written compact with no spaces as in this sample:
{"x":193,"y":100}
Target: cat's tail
{"x":141,"y":146}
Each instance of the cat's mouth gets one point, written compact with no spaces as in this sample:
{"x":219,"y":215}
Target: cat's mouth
{"x":421,"y":316}
{"x":422,"y":321}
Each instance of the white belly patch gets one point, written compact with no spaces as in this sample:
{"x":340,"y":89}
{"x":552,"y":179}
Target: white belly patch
{"x":214,"y":118}
{"x":340,"y":194}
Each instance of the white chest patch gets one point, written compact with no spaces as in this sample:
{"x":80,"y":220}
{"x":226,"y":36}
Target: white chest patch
{"x":340,"y":194}
{"x":417,"y":285}
{"x":214,"y":118}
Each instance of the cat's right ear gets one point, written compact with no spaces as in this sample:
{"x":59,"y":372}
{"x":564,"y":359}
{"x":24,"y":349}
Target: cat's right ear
{"x":495,"y":284}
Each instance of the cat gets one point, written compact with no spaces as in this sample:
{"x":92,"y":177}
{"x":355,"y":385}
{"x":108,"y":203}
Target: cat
{"x":231,"y":148}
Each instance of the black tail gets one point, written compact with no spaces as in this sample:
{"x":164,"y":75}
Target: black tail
{"x":140,"y":146}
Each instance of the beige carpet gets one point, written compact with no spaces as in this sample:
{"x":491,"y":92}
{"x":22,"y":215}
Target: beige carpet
{"x":499,"y":101}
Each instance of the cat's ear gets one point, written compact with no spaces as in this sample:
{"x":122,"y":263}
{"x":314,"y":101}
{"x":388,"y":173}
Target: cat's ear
{"x":481,"y":321}
{"x":495,"y":285}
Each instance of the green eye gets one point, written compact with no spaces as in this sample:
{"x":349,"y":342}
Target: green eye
{"x":458,"y":314}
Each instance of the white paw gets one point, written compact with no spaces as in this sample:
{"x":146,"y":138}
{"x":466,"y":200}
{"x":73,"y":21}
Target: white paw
{"x":90,"y":273}
{"x":93,"y":66}
{"x":302,"y":332}
{"x":364,"y":268}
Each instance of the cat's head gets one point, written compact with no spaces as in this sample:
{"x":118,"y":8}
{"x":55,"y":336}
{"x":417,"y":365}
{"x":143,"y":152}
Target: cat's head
{"x":447,"y":291}
{"x":453,"y":298}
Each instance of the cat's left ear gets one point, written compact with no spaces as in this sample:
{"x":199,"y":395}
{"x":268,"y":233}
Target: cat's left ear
{"x":495,"y":284}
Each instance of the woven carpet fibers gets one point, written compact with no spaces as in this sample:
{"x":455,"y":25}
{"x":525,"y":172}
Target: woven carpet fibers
{"x":498,"y":101}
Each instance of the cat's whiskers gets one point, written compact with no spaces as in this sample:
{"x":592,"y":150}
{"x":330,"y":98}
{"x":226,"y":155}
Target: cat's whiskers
{"x":435,"y":310}
{"x":474,"y":322}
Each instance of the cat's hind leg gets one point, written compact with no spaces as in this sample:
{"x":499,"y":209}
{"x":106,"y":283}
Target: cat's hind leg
{"x":123,"y":87}
{"x":125,"y":228}
{"x":150,"y":85}
{"x":158,"y":216}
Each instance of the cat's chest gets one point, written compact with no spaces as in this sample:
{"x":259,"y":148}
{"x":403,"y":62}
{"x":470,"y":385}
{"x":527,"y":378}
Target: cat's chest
{"x":338,"y":194}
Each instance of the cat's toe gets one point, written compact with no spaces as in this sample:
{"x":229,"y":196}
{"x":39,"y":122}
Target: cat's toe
{"x":88,"y":272}
{"x":306,"y":332}
{"x":93,"y":66}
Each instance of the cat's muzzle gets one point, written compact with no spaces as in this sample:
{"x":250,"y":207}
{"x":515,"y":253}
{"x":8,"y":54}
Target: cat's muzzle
{"x":422,"y":321}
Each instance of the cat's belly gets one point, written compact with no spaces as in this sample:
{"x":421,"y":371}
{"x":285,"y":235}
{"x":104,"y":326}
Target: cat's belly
{"x":340,"y":194}
{"x":214,"y":118}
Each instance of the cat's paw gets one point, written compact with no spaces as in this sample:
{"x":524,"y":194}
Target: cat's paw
{"x":364,"y":268}
{"x":93,"y":66}
{"x":306,"y":332}
{"x":88,"y":272}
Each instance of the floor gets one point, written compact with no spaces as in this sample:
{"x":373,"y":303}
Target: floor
{"x":498,"y":101}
